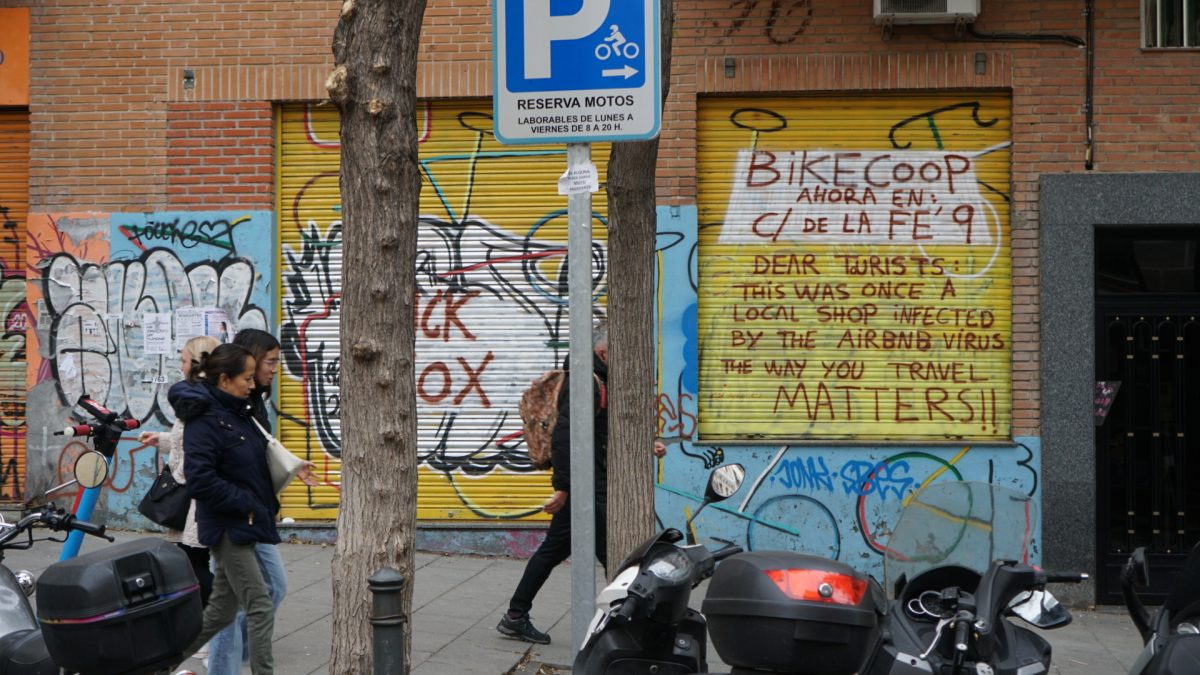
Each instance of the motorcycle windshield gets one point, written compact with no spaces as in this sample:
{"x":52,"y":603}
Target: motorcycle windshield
{"x":669,"y":535}
{"x":963,"y":523}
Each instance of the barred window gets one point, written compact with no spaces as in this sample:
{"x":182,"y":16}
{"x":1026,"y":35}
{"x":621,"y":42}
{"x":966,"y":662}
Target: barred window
{"x":1170,"y":23}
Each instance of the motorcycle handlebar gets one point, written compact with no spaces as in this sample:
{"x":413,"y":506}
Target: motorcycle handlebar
{"x":961,"y":633}
{"x":88,"y":430}
{"x":90,"y":528}
{"x":56,"y":520}
{"x":726,"y":551}
{"x":628,"y":608}
{"x":1053,"y":578}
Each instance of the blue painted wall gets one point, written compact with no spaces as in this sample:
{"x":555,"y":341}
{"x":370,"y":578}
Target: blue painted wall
{"x":835,"y":501}
{"x":101,"y":273}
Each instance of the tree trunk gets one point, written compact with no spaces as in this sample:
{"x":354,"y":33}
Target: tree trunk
{"x":631,"y":245}
{"x":373,"y":85}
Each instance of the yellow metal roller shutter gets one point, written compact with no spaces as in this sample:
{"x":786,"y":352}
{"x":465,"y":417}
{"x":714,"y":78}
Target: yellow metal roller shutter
{"x":490,"y":313}
{"x":14,"y":209}
{"x":855,"y":268}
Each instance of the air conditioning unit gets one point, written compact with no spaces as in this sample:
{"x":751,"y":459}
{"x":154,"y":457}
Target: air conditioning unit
{"x":889,"y":12}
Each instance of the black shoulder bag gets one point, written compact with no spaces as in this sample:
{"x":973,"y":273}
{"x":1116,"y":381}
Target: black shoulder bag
{"x":167,"y":502}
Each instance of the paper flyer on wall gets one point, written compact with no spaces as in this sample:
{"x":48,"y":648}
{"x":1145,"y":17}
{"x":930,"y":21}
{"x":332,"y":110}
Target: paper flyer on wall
{"x":217,"y":324}
{"x":156,"y":333}
{"x":189,"y":322}
{"x":193,"y":321}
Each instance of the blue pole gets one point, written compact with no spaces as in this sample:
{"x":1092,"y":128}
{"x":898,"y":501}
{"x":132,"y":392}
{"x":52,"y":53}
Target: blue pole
{"x":87,"y":503}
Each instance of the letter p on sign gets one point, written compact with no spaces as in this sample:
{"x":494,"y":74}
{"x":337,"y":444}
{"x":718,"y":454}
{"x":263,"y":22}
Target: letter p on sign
{"x":541,"y":28}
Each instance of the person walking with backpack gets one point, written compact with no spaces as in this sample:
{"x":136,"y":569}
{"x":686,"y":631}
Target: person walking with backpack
{"x":556,"y":547}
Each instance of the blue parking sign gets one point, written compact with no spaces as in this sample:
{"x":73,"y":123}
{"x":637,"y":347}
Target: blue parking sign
{"x":576,"y":70}
{"x":569,"y":45}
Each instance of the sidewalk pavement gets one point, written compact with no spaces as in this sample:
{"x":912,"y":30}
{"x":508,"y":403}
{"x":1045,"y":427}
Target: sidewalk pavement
{"x":457,"y":601}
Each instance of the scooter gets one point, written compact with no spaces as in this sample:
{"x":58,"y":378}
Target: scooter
{"x":128,"y":609}
{"x":958,"y":560}
{"x":105,"y":430}
{"x":643,"y":623}
{"x":23,"y":650}
{"x":1172,"y":636}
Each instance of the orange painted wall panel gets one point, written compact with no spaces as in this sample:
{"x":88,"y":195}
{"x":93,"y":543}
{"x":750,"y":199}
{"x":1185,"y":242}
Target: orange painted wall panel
{"x":14,"y":56}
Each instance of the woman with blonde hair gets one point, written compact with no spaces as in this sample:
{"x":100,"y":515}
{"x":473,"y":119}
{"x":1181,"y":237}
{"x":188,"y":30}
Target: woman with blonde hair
{"x":194,"y":351}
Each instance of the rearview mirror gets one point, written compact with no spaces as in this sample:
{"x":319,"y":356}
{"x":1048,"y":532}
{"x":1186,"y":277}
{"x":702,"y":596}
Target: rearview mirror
{"x":1041,"y":609}
{"x":724,"y":482}
{"x":91,"y":469}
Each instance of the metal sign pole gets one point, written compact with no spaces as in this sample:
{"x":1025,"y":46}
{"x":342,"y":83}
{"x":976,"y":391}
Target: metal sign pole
{"x":582,"y":494}
{"x":591,"y":75}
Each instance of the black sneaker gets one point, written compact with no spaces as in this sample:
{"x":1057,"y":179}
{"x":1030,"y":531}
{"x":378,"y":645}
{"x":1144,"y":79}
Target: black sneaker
{"x":522,"y":629}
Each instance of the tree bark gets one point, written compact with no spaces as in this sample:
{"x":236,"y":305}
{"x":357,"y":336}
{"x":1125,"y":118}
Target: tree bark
{"x":373,"y":85}
{"x":632,"y":225}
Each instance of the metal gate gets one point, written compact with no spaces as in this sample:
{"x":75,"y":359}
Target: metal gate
{"x":490,"y":307}
{"x":14,"y":207}
{"x":1147,"y":494}
{"x":855,"y":268}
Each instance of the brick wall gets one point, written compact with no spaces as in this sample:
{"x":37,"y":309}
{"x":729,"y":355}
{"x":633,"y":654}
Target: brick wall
{"x":114,"y":128}
{"x":103,"y":75}
{"x":220,"y":155}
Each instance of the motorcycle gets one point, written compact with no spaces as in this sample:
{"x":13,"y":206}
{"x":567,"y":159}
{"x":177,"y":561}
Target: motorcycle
{"x":23,"y":650}
{"x":126,"y":609}
{"x":958,"y":561}
{"x":643,"y":623}
{"x":1172,"y":636}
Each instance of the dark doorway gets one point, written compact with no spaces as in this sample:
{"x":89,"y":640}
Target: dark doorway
{"x":1148,"y":445}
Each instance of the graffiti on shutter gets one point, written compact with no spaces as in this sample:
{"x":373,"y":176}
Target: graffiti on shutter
{"x":14,"y":208}
{"x":490,"y":310}
{"x":855,"y":276}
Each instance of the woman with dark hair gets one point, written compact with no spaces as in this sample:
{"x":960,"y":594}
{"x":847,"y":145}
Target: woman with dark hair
{"x":265,"y":349}
{"x":225,"y":461}
{"x":228,"y":649}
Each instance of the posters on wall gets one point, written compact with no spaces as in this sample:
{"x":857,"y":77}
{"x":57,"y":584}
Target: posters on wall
{"x":192,"y":322}
{"x":189,"y":322}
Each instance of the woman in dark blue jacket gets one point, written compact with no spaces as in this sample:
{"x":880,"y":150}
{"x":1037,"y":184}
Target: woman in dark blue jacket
{"x":225,"y":460}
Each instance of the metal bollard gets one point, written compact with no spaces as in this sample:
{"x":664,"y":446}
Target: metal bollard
{"x":387,"y":618}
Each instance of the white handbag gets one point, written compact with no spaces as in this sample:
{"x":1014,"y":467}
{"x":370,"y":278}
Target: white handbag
{"x":283,"y":464}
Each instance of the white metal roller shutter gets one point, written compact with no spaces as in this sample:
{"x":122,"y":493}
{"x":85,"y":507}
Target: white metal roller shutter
{"x":490,"y":316}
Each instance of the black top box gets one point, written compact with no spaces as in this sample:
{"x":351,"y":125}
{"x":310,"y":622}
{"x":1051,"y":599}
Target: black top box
{"x":787,"y":612}
{"x":113,"y":578}
{"x":129,"y":608}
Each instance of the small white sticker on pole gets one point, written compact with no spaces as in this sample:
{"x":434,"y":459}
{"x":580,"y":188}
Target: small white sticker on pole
{"x":579,"y":179}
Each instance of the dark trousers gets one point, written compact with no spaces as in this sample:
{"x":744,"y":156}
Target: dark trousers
{"x":555,"y":548}
{"x":198,"y":556}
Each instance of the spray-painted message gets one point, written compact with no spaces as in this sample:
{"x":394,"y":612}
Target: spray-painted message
{"x":858,"y":294}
